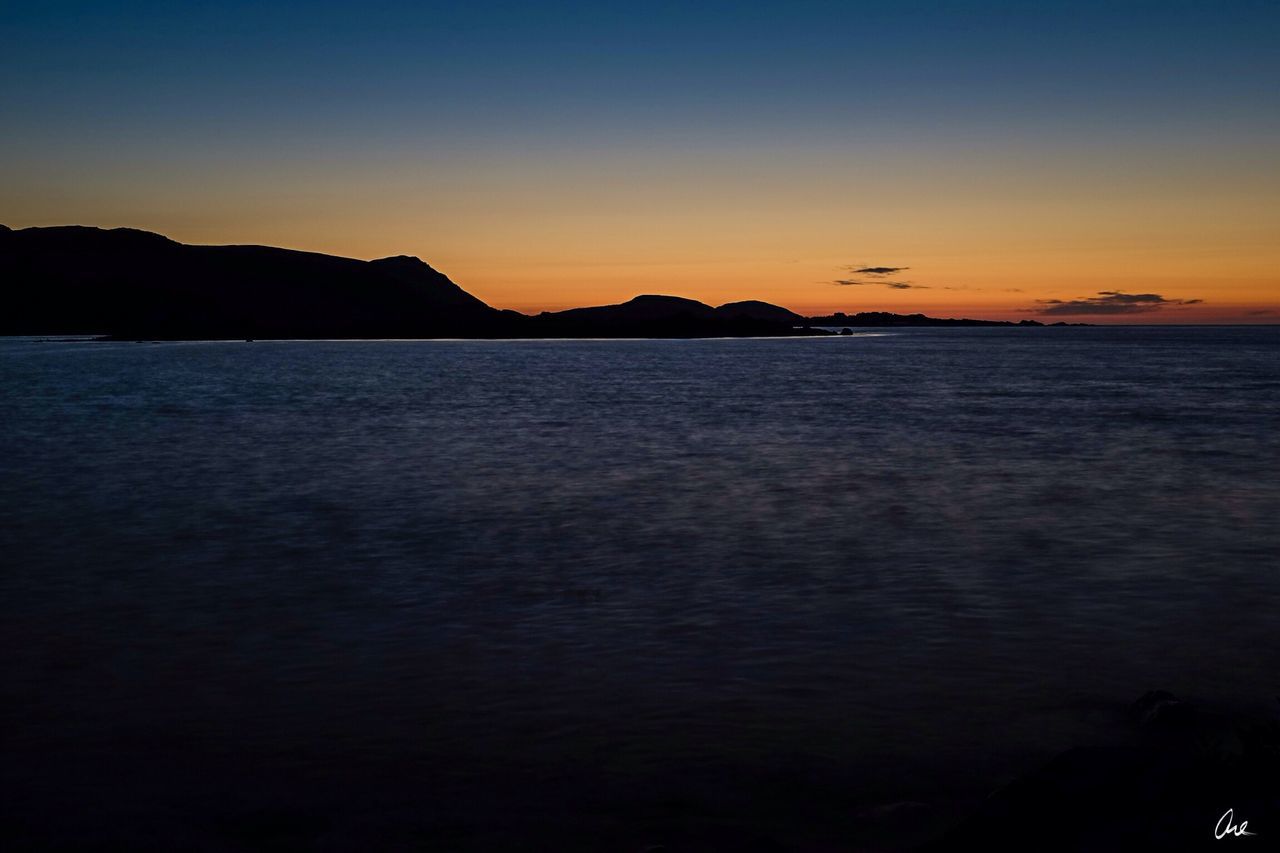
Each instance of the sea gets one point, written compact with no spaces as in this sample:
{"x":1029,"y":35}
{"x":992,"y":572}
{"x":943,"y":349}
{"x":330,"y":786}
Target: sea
{"x":613,"y":594}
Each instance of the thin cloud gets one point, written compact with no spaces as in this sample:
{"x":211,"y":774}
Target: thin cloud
{"x":1110,"y":302}
{"x":877,"y":270}
{"x":896,"y":285}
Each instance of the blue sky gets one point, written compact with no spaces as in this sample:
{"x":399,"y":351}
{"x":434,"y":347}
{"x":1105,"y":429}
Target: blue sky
{"x":538,"y":67}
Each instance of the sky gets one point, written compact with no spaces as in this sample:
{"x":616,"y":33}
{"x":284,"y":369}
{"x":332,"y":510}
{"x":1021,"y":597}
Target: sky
{"x":1084,"y":161}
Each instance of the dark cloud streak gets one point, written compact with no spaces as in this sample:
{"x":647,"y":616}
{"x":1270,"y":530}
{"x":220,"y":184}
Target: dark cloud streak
{"x":1110,"y":302}
{"x":896,"y":285}
{"x":877,"y":270}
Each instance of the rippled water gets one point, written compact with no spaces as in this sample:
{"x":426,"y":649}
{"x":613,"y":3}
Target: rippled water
{"x":426,"y":584}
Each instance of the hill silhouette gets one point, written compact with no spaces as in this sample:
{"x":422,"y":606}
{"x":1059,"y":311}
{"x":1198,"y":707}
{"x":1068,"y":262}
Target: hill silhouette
{"x":128,"y":283}
{"x":671,"y":316}
{"x":888,"y":318}
{"x":131,"y":284}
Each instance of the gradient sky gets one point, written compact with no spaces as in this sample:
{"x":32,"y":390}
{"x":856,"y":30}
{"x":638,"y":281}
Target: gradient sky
{"x":1114,"y":161}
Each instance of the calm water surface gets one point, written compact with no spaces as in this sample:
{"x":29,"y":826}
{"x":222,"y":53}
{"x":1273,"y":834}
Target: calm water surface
{"x":448,"y":585}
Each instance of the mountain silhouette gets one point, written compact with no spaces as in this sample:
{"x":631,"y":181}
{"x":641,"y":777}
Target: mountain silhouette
{"x":131,"y":284}
{"x":753,"y":309}
{"x":671,"y":316}
{"x":888,"y":318}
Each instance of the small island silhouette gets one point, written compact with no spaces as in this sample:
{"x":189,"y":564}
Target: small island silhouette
{"x":124,"y":283}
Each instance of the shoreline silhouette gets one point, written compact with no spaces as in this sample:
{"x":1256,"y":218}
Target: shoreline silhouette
{"x":128,"y":284}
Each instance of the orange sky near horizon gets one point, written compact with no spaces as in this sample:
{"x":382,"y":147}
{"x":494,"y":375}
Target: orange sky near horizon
{"x":995,"y":235}
{"x":1232,"y":281}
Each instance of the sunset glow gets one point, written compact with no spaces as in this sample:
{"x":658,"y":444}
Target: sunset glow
{"x":1084,"y":164}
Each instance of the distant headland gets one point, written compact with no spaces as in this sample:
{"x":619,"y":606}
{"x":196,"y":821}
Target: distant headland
{"x":129,"y":284}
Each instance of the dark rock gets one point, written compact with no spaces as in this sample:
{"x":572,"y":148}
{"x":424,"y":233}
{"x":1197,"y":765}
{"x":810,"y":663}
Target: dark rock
{"x":1163,"y":786}
{"x":1156,"y":707}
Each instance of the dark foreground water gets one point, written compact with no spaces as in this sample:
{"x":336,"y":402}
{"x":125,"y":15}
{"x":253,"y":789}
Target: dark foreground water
{"x":480,"y":595}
